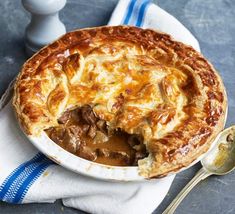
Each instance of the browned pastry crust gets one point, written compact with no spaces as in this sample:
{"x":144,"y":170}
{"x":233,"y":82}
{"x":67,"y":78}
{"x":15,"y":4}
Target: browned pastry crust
{"x":141,"y":81}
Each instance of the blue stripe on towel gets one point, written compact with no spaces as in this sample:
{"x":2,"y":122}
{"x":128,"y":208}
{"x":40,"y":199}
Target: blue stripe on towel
{"x":29,"y":181}
{"x":136,"y":12}
{"x":142,"y":11}
{"x":11,"y":185}
{"x":129,"y":11}
{"x":18,"y":181}
{"x":10,"y":179}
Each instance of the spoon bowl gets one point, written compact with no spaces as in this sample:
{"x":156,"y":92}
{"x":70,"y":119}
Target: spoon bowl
{"x":221,"y":159}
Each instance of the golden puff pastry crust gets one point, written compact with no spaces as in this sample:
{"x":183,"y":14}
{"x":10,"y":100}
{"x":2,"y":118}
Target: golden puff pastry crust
{"x":141,"y":81}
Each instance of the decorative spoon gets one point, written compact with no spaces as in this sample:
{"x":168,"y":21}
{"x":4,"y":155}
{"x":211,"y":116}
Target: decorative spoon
{"x":218,"y":161}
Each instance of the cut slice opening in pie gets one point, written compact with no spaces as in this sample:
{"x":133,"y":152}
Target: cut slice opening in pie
{"x":82,"y":133}
{"x":123,"y":96}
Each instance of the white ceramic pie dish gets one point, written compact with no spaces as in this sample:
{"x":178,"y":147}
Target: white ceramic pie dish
{"x":92,"y":169}
{"x":42,"y":93}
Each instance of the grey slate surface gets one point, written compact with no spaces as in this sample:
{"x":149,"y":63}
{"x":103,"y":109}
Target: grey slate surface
{"x":211,"y":21}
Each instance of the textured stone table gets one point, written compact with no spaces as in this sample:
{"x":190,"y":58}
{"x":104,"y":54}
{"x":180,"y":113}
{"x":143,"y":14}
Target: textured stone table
{"x":211,"y":21}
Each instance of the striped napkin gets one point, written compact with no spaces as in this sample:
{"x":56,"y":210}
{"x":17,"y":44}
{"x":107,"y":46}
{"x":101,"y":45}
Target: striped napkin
{"x":27,"y":176}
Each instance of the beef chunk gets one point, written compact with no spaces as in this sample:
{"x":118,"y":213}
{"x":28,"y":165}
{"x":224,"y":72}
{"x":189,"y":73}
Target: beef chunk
{"x":70,"y":116}
{"x":133,"y":140}
{"x":65,"y":117}
{"x":72,"y":139}
{"x":76,"y":130}
{"x":85,"y":128}
{"x":88,"y":115}
{"x":75,"y":116}
{"x":87,"y":153}
{"x":114,"y":155}
{"x":57,"y":134}
{"x":92,"y":131}
{"x":121,"y":155}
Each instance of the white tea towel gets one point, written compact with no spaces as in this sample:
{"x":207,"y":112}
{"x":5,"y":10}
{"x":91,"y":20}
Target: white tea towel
{"x":27,"y":176}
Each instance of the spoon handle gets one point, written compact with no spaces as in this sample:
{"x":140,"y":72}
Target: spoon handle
{"x":201,"y":175}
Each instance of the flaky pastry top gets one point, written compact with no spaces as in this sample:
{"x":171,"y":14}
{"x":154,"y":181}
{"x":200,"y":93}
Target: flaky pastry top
{"x":141,"y":81}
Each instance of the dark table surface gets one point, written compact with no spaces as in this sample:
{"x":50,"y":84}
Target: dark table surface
{"x":213,"y":24}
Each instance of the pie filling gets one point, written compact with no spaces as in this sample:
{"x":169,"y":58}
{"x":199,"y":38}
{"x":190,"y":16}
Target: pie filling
{"x":82,"y":133}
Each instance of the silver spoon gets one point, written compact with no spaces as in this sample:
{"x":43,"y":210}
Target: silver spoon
{"x":218,"y":161}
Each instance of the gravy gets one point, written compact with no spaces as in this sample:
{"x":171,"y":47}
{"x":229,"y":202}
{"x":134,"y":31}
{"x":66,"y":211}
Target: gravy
{"x":83,"y":134}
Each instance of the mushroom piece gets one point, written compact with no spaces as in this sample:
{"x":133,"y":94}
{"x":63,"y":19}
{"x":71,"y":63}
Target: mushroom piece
{"x":100,"y":137}
{"x":101,"y":125}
